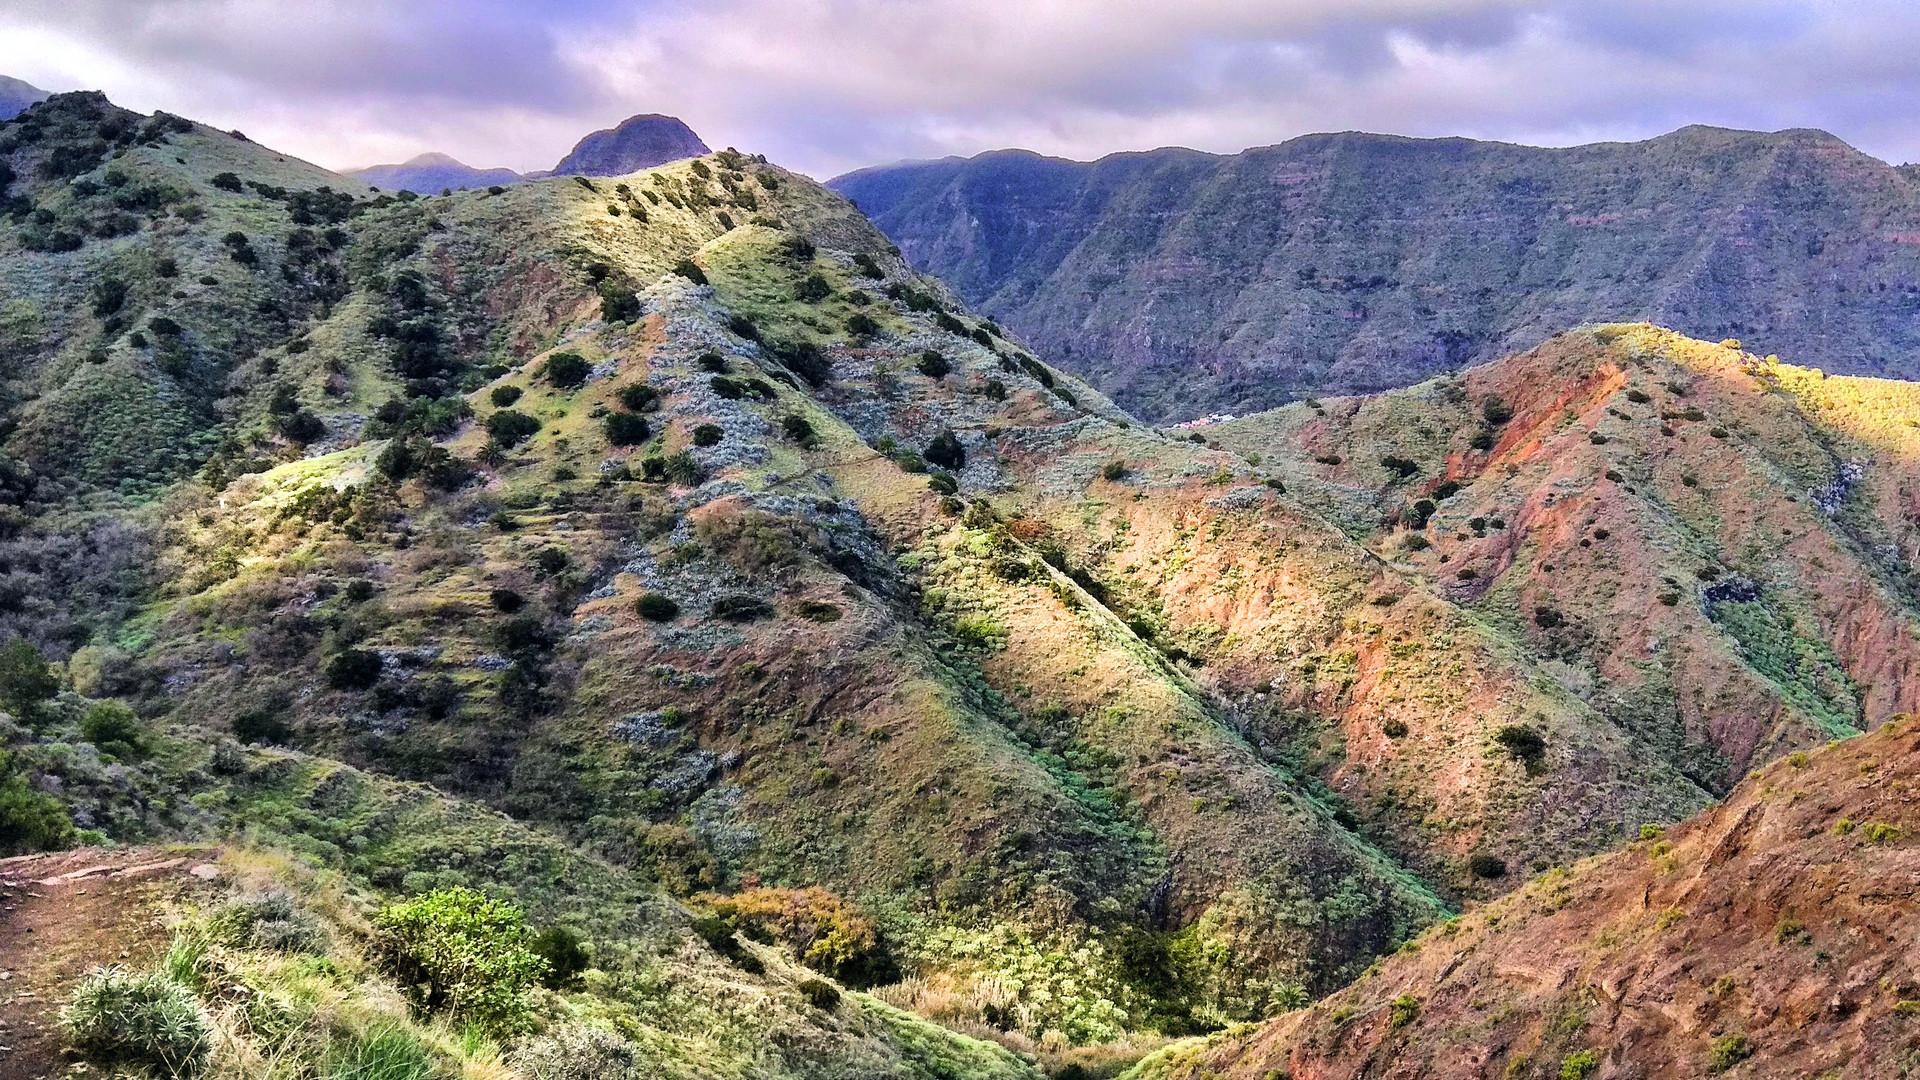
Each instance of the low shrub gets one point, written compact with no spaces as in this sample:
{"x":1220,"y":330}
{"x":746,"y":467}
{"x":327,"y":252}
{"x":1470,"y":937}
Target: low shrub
{"x":503,"y":396}
{"x":690,"y":270}
{"x":820,"y":994}
{"x":626,"y":429}
{"x":111,"y":724}
{"x":388,"y":1053}
{"x":509,"y":428}
{"x":566,"y":370}
{"x":945,"y":450}
{"x":29,"y":820}
{"x":798,"y":429}
{"x":458,"y":951}
{"x":150,"y":1020}
{"x":1729,"y":1050}
{"x":741,"y":608}
{"x":1482,"y":865}
{"x":639,"y":397}
{"x":269,"y":920}
{"x":707,"y":435}
{"x":353,"y":669}
{"x":575,"y":1051}
{"x":812,"y":289}
{"x":565,"y":951}
{"x":933,"y":365}
{"x":1403,"y":1010}
{"x":655,"y":607}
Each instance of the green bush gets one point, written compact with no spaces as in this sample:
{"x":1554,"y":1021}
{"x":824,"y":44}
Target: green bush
{"x":1729,"y":1050}
{"x":690,"y":270}
{"x":618,"y":303}
{"x":719,"y":935}
{"x":627,"y":429}
{"x":799,"y":429}
{"x":820,"y":994}
{"x":150,"y":1020}
{"x":1482,"y":865}
{"x":1495,"y":411}
{"x":1579,"y":1066}
{"x":269,"y":920}
{"x":933,"y":365}
{"x":510,"y":428}
{"x":862,"y":325}
{"x":945,"y":450}
{"x":111,"y":722}
{"x":712,"y":363}
{"x":1403,"y":1010}
{"x":566,"y":370}
{"x":655,"y":607}
{"x":27,"y":681}
{"x":707,"y":435}
{"x":29,"y":821}
{"x":1525,"y":744}
{"x":1113,"y":470}
{"x":458,"y":951}
{"x":865,"y":263}
{"x":565,"y":951}
{"x":812,"y":289}
{"x":353,"y":669}
{"x":639,"y":397}
{"x":225,"y":181}
{"x":503,"y":396}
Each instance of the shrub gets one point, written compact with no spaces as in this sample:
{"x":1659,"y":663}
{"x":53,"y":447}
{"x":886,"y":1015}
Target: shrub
{"x":933,"y":365}
{"x":618,"y":303}
{"x":110,"y":722}
{"x":26,"y":680}
{"x":302,"y":427}
{"x":1399,"y":466}
{"x":29,"y":820}
{"x":503,"y":396}
{"x":1525,"y":744}
{"x":867,"y":267}
{"x":1403,"y":1010}
{"x":681,"y":469}
{"x":1394,"y":728}
{"x":565,"y":951}
{"x":707,"y":435}
{"x":1638,"y":397}
{"x":996,"y":390}
{"x":1113,"y":471}
{"x":575,"y":1051}
{"x":506,"y":600}
{"x":862,"y":325}
{"x":627,"y":429}
{"x":718,"y":932}
{"x":639,"y":397}
{"x":269,"y":920}
{"x":226,"y":181}
{"x":1579,"y":1066}
{"x":818,"y":611}
{"x":387,"y":1053}
{"x":945,"y":450}
{"x":510,"y":428}
{"x":1495,"y":411}
{"x":799,"y":429}
{"x":712,"y":362}
{"x":690,"y":270}
{"x":812,"y":289}
{"x":943,"y":484}
{"x":1482,"y":865}
{"x":741,"y":608}
{"x":566,"y":370}
{"x":804,"y":359}
{"x":353,"y":669}
{"x":817,"y":928}
{"x":820,"y":994}
{"x":1729,"y":1050}
{"x":117,"y":1016}
{"x":655,"y":607}
{"x":1419,"y":513}
{"x":459,"y":951}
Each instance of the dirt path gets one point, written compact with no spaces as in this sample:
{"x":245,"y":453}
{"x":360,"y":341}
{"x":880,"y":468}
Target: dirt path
{"x":64,"y":913}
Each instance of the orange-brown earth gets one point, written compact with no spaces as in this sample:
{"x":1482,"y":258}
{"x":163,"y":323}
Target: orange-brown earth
{"x":1771,"y":936}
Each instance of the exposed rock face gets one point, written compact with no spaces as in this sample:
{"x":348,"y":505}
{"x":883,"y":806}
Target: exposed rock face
{"x":640,"y":142}
{"x":1769,"y":937}
{"x":15,"y":96}
{"x":1184,"y":283}
{"x":432,"y":173}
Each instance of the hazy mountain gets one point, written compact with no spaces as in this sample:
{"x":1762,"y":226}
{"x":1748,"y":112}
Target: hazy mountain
{"x":669,"y":558}
{"x":1185,"y":282}
{"x":639,"y":142}
{"x":432,"y":173}
{"x":16,"y":95}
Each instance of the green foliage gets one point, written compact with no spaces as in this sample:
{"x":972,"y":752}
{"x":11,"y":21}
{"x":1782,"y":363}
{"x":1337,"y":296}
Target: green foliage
{"x":862,"y":325}
{"x":820,"y":994}
{"x":627,"y":429}
{"x":720,"y":935}
{"x":655,"y":607}
{"x":1114,"y":471}
{"x":1728,"y":1050}
{"x":112,"y":724}
{"x":353,"y":669}
{"x":1482,"y":865}
{"x":119,"y":1017}
{"x":639,"y":397}
{"x":1526,"y":744}
{"x":812,"y":289}
{"x":1495,"y":411}
{"x":799,"y":429}
{"x":27,"y":681}
{"x":707,"y":435}
{"x":459,"y":951}
{"x":503,"y":396}
{"x":269,"y":920}
{"x":945,"y":450}
{"x":389,"y":1052}
{"x":510,"y":428}
{"x":690,"y":270}
{"x":566,"y":954}
{"x":1403,"y":1010}
{"x":933,"y":365}
{"x":1579,"y":1065}
{"x":566,"y":370}
{"x":29,"y":820}
{"x":618,"y":302}
{"x":226,"y":181}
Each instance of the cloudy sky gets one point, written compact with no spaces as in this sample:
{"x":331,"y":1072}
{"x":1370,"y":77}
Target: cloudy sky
{"x":829,"y":85}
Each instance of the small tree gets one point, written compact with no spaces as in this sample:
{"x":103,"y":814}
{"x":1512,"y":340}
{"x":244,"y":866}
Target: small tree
{"x":458,"y":951}
{"x":933,"y":365}
{"x":618,"y":303}
{"x":945,"y":450}
{"x":566,"y":370}
{"x":27,"y":681}
{"x":627,"y":429}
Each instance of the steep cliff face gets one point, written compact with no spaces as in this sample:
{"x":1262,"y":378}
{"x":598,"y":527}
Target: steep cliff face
{"x":639,"y":142}
{"x":1768,"y":937}
{"x":1185,"y":283}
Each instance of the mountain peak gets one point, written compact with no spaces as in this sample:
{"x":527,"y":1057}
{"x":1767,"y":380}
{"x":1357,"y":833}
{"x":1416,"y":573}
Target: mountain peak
{"x":16,"y":95}
{"x":638,"y":142}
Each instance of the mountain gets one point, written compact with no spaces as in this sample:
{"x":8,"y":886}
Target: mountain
{"x":1765,"y":938}
{"x":15,"y":96}
{"x":1186,"y":283}
{"x":430,"y":174}
{"x":639,"y":142}
{"x":857,"y":692}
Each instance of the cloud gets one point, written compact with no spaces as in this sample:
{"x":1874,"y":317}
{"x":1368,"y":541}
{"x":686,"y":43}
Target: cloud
{"x":826,"y":85}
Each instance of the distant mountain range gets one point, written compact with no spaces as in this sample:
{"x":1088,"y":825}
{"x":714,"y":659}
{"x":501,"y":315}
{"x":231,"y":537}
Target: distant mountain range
{"x":1185,"y":283}
{"x":16,"y":96}
{"x":639,"y":142}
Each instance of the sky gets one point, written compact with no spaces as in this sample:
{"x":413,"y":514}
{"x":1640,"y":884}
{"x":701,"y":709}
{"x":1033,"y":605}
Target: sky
{"x":825,"y":86}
